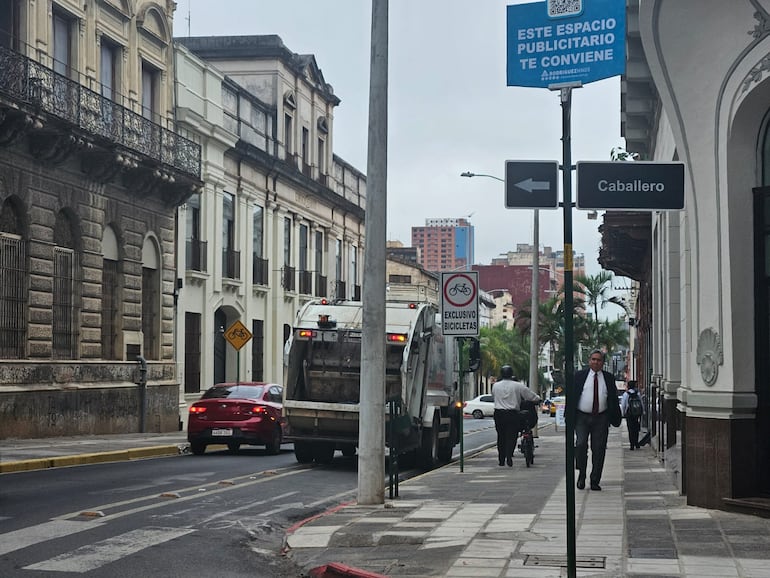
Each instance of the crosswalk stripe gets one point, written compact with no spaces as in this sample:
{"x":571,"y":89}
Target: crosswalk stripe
{"x":95,"y":555}
{"x":20,"y":539}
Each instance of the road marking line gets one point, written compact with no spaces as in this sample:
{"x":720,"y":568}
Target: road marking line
{"x":92,"y":556}
{"x":26,"y":537}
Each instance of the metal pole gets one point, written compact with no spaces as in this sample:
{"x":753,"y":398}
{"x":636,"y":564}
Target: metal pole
{"x":534,"y":317}
{"x":371,"y":439}
{"x":569,"y":366}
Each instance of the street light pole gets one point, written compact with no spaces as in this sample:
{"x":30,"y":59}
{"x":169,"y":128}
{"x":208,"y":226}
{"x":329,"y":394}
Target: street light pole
{"x":533,"y":320}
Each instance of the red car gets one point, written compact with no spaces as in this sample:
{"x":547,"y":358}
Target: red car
{"x":235,"y":414}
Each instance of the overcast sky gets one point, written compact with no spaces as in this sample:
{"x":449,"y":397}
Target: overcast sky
{"x":449,"y":108}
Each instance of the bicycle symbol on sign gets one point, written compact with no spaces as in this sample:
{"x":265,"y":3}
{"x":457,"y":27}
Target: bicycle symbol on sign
{"x":462,"y":288}
{"x":238,"y":333}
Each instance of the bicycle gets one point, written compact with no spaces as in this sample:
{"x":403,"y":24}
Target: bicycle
{"x":528,"y":419}
{"x":527,"y":444}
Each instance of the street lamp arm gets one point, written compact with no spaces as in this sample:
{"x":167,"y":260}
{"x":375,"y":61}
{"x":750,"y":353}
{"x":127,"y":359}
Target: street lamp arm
{"x":470,"y":174}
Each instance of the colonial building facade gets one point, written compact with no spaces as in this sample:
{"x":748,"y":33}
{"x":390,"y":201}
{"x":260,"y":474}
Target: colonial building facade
{"x":91,"y":174}
{"x":699,"y":93}
{"x":281,"y":218}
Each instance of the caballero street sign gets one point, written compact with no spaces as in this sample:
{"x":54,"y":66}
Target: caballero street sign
{"x":554,"y":42}
{"x":630,"y":186}
{"x":460,"y":303}
{"x":531,"y":184}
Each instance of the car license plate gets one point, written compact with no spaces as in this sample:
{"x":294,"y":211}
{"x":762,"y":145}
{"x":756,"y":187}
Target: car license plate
{"x":222,"y":432}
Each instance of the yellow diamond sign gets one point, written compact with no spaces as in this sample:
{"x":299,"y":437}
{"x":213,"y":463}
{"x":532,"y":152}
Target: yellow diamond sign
{"x":238,"y":335}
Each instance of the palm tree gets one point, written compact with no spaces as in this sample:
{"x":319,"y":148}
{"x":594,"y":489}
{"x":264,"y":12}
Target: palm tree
{"x":501,"y":346}
{"x":596,"y":292}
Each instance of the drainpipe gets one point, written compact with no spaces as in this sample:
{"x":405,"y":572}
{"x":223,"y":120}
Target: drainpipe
{"x":142,"y":391}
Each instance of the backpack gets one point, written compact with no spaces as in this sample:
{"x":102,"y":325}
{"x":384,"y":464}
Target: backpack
{"x":635,"y":408}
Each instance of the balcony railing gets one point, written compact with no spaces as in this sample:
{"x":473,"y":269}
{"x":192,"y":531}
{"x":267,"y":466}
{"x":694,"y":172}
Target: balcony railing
{"x":231,"y":264}
{"x":196,"y":255}
{"x":260,"y":271}
{"x":340,"y":290}
{"x":320,"y":285}
{"x":306,"y":282}
{"x":287,"y":278}
{"x":28,"y":81}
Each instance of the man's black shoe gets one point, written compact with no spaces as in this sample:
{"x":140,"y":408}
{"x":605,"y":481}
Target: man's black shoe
{"x":596,"y":487}
{"x":510,"y":462}
{"x":581,"y":482}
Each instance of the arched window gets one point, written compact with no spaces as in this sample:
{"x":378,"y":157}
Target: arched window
{"x":66,"y":289}
{"x":151,"y":294}
{"x":112,"y":295}
{"x":13,"y":289}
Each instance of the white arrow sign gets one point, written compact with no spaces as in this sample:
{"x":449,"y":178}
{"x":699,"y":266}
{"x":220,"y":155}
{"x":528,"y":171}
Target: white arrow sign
{"x":530,"y":185}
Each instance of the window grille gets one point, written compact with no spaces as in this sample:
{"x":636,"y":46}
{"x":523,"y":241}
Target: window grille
{"x":65,"y":304}
{"x":13,"y":297}
{"x":110,"y":302}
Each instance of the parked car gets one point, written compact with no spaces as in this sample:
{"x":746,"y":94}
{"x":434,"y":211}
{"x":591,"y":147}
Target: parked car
{"x":235,"y":414}
{"x":480,"y":406}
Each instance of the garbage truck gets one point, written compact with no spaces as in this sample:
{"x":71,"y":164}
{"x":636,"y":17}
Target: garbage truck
{"x":323,"y":380}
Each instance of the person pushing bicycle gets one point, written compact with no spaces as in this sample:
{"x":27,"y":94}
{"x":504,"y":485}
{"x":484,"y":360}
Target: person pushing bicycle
{"x":508,"y":395}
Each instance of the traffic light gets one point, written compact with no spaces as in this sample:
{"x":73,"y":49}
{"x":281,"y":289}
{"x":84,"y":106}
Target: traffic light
{"x":474,"y":355}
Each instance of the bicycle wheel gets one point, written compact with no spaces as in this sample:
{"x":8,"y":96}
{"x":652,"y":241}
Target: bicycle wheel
{"x":529,"y":451}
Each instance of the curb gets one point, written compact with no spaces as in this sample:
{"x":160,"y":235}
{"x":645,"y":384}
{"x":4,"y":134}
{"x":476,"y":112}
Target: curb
{"x":94,"y":458}
{"x":336,"y":570}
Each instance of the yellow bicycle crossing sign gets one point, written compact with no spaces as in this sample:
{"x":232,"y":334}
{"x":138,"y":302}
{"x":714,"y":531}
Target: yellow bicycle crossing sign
{"x":238,"y":335}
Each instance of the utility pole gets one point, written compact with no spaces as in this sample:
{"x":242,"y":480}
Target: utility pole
{"x":371,"y":438}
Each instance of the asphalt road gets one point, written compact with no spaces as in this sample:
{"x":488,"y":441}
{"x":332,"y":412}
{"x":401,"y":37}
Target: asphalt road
{"x":213,"y":515}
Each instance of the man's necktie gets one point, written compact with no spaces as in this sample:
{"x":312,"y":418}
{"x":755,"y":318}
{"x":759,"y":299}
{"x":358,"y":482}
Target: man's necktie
{"x":595,"y":408}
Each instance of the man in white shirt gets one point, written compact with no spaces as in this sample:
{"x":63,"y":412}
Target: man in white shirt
{"x":508,"y":395}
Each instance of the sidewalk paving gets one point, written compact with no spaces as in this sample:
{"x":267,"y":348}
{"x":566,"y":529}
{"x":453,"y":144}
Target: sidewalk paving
{"x":490,"y":521}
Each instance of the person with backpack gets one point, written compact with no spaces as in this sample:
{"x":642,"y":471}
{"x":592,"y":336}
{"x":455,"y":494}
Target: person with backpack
{"x":632,"y":408}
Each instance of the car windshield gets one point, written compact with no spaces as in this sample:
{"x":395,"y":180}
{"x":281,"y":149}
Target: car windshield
{"x":235,"y":392}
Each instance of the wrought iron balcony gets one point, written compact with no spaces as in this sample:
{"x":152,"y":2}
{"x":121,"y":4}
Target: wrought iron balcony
{"x":306,"y":282}
{"x":320,"y":285}
{"x":260,"y":271}
{"x":231,"y":264}
{"x":196,"y":255}
{"x":340,"y":290}
{"x":39,"y":87}
{"x":288,"y":277}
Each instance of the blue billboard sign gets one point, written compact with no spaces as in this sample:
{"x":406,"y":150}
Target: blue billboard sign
{"x":549,"y":44}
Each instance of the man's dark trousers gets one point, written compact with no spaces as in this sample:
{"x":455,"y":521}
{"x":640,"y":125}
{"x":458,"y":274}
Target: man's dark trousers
{"x":507,"y":426}
{"x":596,"y":427}
{"x":632,"y":423}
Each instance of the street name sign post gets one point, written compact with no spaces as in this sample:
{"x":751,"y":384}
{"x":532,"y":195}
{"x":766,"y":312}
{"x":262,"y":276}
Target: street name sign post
{"x":460,"y":303}
{"x":561,"y":45}
{"x":630,"y":186}
{"x":531,"y":184}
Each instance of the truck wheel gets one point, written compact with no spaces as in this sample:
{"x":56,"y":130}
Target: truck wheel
{"x":429,"y":448}
{"x":303,"y":451}
{"x":323,"y":453}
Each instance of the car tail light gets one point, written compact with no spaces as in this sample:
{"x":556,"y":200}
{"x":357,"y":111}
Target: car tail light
{"x":396,"y":337}
{"x":465,"y":404}
{"x":198,"y":409}
{"x":258,"y":410}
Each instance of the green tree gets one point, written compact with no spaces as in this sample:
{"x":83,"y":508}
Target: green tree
{"x":501,"y":346}
{"x":596,"y":290}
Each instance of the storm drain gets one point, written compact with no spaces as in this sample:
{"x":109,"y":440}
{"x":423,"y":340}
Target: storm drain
{"x":595,"y":562}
